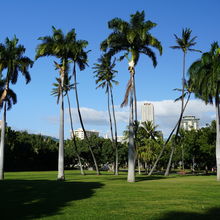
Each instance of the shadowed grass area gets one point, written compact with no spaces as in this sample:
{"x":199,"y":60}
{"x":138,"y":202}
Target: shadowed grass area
{"x":37,"y":195}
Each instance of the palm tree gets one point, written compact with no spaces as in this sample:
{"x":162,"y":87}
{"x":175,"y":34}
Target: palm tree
{"x":105,"y":74}
{"x":12,"y":60}
{"x":78,"y":56}
{"x":56,"y":91}
{"x":204,"y":78}
{"x":132,"y":38}
{"x":58,"y":45}
{"x":185,"y":44}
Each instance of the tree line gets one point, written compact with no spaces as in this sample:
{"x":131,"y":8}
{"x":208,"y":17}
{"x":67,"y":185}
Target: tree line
{"x":194,"y":153}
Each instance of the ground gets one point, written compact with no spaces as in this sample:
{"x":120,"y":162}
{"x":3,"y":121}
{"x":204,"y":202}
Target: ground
{"x":37,"y":195}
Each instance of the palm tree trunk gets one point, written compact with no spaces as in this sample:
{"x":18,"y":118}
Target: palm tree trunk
{"x":61,"y":138}
{"x":183,"y":167}
{"x":81,"y":121}
{"x":116,"y":135}
{"x":2,"y":145}
{"x":74,"y":137}
{"x":217,"y":132}
{"x":131,"y":145}
{"x":170,"y":160}
{"x":168,"y":139}
{"x":139,"y":166}
{"x":110,"y":122}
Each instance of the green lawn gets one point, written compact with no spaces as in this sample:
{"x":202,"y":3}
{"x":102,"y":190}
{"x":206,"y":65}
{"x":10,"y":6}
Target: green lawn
{"x":37,"y":195}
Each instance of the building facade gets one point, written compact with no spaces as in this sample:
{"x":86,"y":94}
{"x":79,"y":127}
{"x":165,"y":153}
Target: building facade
{"x":190,"y":122}
{"x":147,"y":112}
{"x":80,"y":134}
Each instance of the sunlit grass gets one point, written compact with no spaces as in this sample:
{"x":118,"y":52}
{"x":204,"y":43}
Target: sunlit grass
{"x":37,"y":195}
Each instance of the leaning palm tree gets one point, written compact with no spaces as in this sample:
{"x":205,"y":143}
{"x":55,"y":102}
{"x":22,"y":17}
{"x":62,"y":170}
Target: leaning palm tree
{"x":132,"y":38}
{"x":79,"y":57}
{"x":56,"y":91}
{"x":12,"y":61}
{"x":204,"y":78}
{"x":185,"y":44}
{"x":105,"y":74}
{"x":58,"y":46}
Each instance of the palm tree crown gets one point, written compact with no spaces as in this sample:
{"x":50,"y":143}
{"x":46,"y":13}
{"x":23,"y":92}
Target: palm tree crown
{"x":205,"y":75}
{"x":186,"y":42}
{"x":132,"y":38}
{"x":12,"y":58}
{"x":105,"y":72}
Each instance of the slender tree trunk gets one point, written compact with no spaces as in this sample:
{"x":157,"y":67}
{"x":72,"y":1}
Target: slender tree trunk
{"x":139,"y":166}
{"x":116,"y":135}
{"x":2,"y":145}
{"x":146,"y":167}
{"x":81,"y":121}
{"x":61,"y":175}
{"x":217,"y":132}
{"x":170,"y":161}
{"x":183,"y":167}
{"x":74,"y":137}
{"x":168,"y":139}
{"x":181,"y":115}
{"x":110,"y":122}
{"x":131,"y":144}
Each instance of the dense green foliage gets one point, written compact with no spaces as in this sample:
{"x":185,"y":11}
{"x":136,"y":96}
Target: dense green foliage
{"x":37,"y":152}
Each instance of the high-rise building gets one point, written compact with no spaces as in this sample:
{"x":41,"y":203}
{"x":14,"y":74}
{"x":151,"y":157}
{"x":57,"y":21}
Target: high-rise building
{"x":147,"y":112}
{"x":190,"y":122}
{"x":80,"y":134}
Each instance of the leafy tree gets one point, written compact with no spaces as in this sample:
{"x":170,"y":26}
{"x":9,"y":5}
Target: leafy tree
{"x":105,"y":74}
{"x":205,"y":82}
{"x":12,"y":61}
{"x":132,"y":38}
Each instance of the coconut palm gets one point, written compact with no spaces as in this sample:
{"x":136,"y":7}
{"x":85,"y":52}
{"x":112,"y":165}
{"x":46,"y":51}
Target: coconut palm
{"x":79,"y":57}
{"x":204,"y":78}
{"x":133,"y":39}
{"x":105,"y":74}
{"x":185,"y":44}
{"x":56,"y":91}
{"x":58,"y":45}
{"x":12,"y":61}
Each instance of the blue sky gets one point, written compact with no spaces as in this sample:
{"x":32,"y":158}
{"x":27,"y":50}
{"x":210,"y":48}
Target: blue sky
{"x":37,"y":111}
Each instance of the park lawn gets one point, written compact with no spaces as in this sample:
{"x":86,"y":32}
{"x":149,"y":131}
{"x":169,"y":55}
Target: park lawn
{"x":37,"y":195}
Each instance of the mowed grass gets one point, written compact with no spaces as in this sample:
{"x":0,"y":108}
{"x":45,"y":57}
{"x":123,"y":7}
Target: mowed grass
{"x":37,"y":195}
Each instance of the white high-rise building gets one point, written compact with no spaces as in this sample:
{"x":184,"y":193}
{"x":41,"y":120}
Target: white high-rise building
{"x":80,"y":134}
{"x":147,"y":112}
{"x":190,"y":122}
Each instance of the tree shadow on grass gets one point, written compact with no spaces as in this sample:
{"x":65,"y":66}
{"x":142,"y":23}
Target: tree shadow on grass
{"x":28,"y":199}
{"x":210,"y":214}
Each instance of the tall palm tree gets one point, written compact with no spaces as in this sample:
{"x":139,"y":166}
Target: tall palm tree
{"x":58,"y":45}
{"x":185,"y":44}
{"x":12,"y":61}
{"x":56,"y":91}
{"x":105,"y":74}
{"x":132,"y":38}
{"x":79,"y":57}
{"x":204,"y":78}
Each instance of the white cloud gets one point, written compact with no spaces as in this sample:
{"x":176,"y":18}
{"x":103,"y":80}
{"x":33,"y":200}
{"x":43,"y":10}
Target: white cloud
{"x":166,"y":115}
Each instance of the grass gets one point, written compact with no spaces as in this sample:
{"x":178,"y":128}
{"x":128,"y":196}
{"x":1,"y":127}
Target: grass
{"x":37,"y":195}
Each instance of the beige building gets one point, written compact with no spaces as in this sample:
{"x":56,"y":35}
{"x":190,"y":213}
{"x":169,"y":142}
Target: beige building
{"x":190,"y":122}
{"x":80,"y":134}
{"x":147,"y":112}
